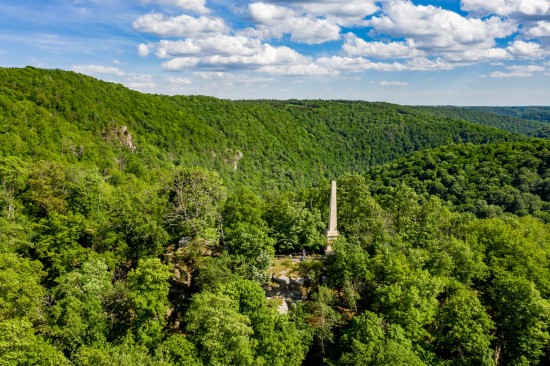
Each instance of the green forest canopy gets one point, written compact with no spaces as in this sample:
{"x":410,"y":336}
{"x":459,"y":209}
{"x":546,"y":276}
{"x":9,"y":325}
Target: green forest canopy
{"x":533,"y":113}
{"x":71,"y":118}
{"x":140,"y":230}
{"x":530,"y":121}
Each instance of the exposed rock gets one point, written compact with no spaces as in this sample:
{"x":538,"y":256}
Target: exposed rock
{"x":236,"y":159}
{"x":283,"y":307}
{"x":121,"y":135}
{"x":229,"y":156}
{"x":297,"y":281}
{"x":281,"y":279}
{"x":126,"y":138}
{"x":233,"y":158}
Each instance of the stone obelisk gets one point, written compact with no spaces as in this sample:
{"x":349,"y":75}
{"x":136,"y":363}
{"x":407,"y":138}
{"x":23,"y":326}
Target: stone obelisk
{"x":332,"y":232}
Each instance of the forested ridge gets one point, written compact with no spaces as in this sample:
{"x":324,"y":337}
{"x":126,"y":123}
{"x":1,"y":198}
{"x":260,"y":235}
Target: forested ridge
{"x":533,"y":113}
{"x":70,"y":118}
{"x":484,"y":179}
{"x":530,"y":121}
{"x":142,"y":229}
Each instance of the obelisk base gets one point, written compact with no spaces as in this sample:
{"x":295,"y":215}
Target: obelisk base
{"x":331,"y":236}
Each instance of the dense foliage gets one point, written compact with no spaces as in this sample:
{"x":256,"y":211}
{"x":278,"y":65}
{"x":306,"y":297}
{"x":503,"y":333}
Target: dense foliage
{"x":533,"y":113}
{"x":530,"y":121}
{"x":484,"y":179}
{"x":65,"y":117}
{"x":152,"y":244}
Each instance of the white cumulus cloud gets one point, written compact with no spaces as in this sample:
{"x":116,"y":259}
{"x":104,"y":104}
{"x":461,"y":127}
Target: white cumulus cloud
{"x":381,"y":35}
{"x":341,"y":8}
{"x":179,"y":26}
{"x":357,"y":64}
{"x":507,"y":7}
{"x":143,"y":50}
{"x":341,"y":12}
{"x":355,"y":46}
{"x":97,"y":69}
{"x":181,"y":63}
{"x":525,"y":49}
{"x":476,"y":55}
{"x":274,"y":21}
{"x":210,"y":45}
{"x":265,"y":55}
{"x":230,"y":78}
{"x":141,"y":82}
{"x":540,"y":29}
{"x":518,"y":71}
{"x":426,"y":64}
{"x":435,"y":29}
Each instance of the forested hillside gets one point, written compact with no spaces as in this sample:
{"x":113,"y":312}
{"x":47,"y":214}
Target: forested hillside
{"x":531,"y":123}
{"x":484,"y":179}
{"x":69,"y":118}
{"x":533,"y":113}
{"x":142,"y":230}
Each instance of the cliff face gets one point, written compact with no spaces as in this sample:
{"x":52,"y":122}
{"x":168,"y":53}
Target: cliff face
{"x":120,"y":135}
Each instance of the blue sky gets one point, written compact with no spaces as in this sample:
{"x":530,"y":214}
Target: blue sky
{"x":468,"y":52}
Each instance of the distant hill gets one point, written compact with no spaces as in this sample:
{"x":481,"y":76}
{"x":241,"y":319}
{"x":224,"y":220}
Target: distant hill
{"x":532,"y":113}
{"x":530,"y":121}
{"x":72,"y":118}
{"x":484,"y":179}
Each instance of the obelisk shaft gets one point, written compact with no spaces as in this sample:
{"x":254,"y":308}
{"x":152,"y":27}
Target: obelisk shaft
{"x":332,"y":231}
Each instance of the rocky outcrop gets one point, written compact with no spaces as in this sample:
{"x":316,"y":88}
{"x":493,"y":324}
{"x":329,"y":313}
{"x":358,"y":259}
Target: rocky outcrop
{"x":286,"y":288}
{"x":121,"y":135}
